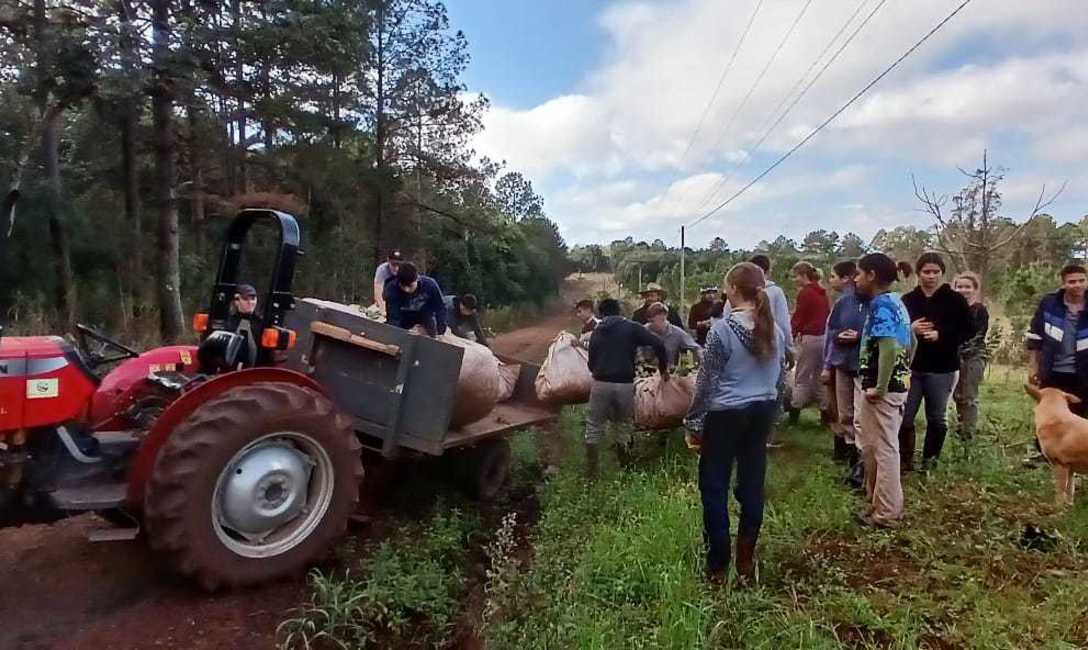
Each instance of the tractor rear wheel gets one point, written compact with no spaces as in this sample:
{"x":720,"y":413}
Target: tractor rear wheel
{"x":486,"y":468}
{"x":254,"y":485}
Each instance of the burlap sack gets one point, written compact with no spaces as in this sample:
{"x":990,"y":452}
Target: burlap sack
{"x":662,"y":404}
{"x":478,"y":386}
{"x":564,"y":377}
{"x":508,"y":379}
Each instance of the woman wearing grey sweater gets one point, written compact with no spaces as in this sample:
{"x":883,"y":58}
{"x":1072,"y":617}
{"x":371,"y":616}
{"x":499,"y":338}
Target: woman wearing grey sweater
{"x":733,"y":412}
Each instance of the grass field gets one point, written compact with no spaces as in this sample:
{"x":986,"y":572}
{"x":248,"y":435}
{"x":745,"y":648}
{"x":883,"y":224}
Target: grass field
{"x":618,"y":564}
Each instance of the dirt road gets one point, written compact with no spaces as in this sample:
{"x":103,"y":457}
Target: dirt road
{"x":60,"y":591}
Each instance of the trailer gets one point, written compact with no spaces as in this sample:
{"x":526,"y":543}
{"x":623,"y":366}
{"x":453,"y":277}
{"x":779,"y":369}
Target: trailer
{"x":399,"y":389}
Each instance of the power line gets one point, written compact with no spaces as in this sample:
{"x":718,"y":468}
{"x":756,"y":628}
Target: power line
{"x":721,"y":80}
{"x":767,"y":132}
{"x":834,"y":115}
{"x":757,"y":82}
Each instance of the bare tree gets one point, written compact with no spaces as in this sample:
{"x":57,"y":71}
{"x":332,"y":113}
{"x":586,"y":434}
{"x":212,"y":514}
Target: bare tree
{"x":972,"y":232}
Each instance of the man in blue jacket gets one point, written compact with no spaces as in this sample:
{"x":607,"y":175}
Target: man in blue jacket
{"x":413,"y":300}
{"x":1058,"y":338}
{"x":841,"y":357}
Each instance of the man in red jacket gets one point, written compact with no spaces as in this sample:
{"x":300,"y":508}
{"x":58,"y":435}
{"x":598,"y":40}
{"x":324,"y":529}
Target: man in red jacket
{"x":809,"y":324}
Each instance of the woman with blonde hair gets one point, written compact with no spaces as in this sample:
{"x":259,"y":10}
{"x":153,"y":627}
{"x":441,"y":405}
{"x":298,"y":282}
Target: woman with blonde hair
{"x":972,"y":355}
{"x":733,"y":411}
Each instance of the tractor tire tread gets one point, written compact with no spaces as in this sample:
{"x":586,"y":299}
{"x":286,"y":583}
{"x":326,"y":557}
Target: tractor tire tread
{"x":183,"y":463}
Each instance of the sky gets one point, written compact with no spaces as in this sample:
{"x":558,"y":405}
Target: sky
{"x":611,"y":109}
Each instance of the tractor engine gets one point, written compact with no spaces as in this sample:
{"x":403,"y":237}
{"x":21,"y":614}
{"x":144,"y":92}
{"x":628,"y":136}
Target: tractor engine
{"x":66,"y":436}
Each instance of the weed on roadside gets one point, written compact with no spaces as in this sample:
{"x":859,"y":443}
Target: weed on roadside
{"x":409,"y":588}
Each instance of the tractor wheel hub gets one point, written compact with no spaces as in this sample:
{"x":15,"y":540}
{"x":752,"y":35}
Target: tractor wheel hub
{"x":264,"y":489}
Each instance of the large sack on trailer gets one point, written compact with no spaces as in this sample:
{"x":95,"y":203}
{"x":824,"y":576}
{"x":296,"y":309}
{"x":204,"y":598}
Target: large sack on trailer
{"x":564,"y":377}
{"x":508,"y":379}
{"x":662,"y":404}
{"x":478,"y":386}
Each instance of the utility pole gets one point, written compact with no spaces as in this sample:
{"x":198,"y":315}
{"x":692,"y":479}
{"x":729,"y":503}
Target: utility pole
{"x":683,"y":278}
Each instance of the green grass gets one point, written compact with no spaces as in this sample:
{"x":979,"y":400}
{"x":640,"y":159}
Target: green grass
{"x":618,"y":564}
{"x":408,"y":588}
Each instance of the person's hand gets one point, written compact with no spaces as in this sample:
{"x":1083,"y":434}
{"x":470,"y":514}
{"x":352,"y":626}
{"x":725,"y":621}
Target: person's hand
{"x":931,"y":335}
{"x":848,"y":336}
{"x":825,"y":377}
{"x":921,"y":326}
{"x":873,"y":396}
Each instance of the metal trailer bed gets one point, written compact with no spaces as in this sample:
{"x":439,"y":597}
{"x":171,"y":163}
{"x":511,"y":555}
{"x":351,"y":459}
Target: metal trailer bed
{"x":399,"y":386}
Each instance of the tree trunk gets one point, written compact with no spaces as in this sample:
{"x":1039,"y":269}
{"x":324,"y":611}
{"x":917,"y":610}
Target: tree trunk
{"x":379,"y":135}
{"x":162,"y":103}
{"x":239,"y":80}
{"x":132,"y":247}
{"x":66,"y":299}
{"x":196,"y":162}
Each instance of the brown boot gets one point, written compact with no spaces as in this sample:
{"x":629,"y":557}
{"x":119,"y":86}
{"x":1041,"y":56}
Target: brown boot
{"x":746,"y":561}
{"x":593,"y":462}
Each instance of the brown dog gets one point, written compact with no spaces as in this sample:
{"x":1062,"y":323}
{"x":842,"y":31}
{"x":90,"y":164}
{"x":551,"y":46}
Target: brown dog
{"x":1062,"y":435}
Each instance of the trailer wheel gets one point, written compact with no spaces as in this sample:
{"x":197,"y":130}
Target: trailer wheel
{"x":255,"y":485}
{"x":487,"y":469}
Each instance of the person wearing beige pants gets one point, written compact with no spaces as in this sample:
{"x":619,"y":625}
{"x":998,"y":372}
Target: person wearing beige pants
{"x":877,"y":425}
{"x":887,"y":347}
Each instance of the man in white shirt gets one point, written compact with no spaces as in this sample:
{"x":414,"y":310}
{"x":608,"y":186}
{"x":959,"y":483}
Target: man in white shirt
{"x":385,"y":272}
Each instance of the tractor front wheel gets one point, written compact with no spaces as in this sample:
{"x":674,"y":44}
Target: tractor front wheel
{"x":255,"y":485}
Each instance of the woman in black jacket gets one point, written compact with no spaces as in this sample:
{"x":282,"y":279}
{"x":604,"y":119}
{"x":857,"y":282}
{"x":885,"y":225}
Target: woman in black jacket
{"x":941,"y":320}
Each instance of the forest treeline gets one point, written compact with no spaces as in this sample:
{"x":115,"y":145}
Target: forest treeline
{"x":132,"y":130}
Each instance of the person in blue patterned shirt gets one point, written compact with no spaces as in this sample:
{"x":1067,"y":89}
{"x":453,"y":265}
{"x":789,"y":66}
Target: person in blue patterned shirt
{"x":887,"y":345}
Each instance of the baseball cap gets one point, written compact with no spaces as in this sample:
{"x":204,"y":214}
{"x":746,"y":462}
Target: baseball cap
{"x":395,"y":256}
{"x":246,"y":291}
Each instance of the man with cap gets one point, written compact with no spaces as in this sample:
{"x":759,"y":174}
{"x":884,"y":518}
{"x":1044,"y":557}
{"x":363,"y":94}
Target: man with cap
{"x":700,"y":313}
{"x":385,"y":272}
{"x":654,"y":292}
{"x":240,"y":321}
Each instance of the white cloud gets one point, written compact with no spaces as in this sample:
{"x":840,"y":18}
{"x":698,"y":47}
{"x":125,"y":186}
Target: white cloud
{"x":634,"y":115}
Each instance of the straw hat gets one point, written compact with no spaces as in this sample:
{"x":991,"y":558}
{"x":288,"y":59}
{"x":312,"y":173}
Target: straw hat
{"x":654,"y":287}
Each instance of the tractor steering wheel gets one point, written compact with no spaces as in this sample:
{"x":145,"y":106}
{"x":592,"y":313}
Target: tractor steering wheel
{"x":97,"y":357}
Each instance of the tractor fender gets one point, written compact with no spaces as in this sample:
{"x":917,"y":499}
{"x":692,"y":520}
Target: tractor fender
{"x":125,"y":384}
{"x":144,"y":462}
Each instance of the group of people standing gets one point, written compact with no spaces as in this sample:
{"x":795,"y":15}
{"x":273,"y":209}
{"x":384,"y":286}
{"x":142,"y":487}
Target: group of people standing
{"x":870,"y":359}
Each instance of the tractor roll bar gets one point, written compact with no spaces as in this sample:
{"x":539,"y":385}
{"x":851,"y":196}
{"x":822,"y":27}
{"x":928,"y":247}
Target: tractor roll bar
{"x":279,"y":299}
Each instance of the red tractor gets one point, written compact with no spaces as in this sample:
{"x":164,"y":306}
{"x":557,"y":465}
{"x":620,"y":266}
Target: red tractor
{"x":238,"y":469}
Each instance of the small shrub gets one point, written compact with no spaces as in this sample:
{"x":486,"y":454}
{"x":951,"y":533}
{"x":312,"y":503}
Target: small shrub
{"x":409,"y":588}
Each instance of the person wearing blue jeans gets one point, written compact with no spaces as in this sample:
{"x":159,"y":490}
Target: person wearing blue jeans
{"x":941,"y":320}
{"x":732,"y":413}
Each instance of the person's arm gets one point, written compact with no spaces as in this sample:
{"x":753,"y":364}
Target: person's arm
{"x":674,"y":318}
{"x":886,"y":347}
{"x":439,"y":307}
{"x":982,"y":327}
{"x":693,"y":318}
{"x":392,"y":306}
{"x":1033,"y":340}
{"x":968,"y":328}
{"x":717,"y":354}
{"x":830,"y":338}
{"x":689,"y":343}
{"x":593,"y":346}
{"x":480,"y":337}
{"x":645,"y":337}
{"x":379,"y":286}
{"x":799,"y":314}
